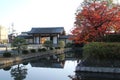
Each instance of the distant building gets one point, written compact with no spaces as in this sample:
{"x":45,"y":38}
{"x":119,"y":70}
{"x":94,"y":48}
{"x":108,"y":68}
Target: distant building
{"x":3,"y":35}
{"x":40,"y":35}
{"x":11,"y":37}
{"x":27,"y":37}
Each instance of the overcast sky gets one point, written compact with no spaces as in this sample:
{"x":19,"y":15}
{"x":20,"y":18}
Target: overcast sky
{"x":26,"y":14}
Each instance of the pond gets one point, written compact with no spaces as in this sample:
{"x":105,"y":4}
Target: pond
{"x":40,"y":70}
{"x":96,"y":76}
{"x":43,"y":69}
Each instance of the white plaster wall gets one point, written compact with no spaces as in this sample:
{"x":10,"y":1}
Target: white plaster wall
{"x":37,"y":40}
{"x":47,"y":38}
{"x":54,"y":40}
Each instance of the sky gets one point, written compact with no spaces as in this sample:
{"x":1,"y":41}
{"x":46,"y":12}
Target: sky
{"x":25,"y":14}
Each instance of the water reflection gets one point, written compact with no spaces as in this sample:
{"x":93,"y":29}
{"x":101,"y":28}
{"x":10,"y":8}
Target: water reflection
{"x":7,"y":68}
{"x":40,"y":69}
{"x":95,"y":76}
{"x":19,"y":72}
{"x":47,"y":63}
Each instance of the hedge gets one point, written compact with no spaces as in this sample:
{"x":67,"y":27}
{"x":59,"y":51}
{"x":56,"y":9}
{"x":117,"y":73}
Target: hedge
{"x":25,"y":52}
{"x":32,"y":50}
{"x":42,"y":50}
{"x":101,"y":50}
{"x":112,"y":38}
{"x":7,"y":54}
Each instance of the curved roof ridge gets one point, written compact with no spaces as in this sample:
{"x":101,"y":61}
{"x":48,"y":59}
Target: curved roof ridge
{"x":47,"y":30}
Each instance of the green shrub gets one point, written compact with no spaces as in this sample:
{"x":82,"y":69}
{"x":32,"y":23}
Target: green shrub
{"x":39,"y":50}
{"x":25,"y":63}
{"x":101,"y":50}
{"x":48,"y":44}
{"x":7,"y":54}
{"x":68,"y":45}
{"x":13,"y":49}
{"x":42,"y":50}
{"x":25,"y":51}
{"x":61,"y":44}
{"x":51,"y":48}
{"x":112,"y":38}
{"x":32,"y":50}
{"x":57,"y":47}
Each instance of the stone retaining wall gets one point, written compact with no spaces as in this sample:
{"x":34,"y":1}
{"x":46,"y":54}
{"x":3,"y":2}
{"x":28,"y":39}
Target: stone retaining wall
{"x":17,"y":59}
{"x":98,"y":69}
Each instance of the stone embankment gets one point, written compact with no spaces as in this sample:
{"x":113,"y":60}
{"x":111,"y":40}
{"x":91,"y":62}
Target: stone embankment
{"x":17,"y":59}
{"x":80,"y":68}
{"x":98,"y":69}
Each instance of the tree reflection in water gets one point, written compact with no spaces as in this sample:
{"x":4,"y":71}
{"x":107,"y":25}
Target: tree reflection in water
{"x":7,"y":68}
{"x":19,"y":72}
{"x":74,"y":77}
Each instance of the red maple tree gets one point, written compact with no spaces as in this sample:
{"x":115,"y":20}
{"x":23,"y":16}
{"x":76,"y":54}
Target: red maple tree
{"x":95,"y":20}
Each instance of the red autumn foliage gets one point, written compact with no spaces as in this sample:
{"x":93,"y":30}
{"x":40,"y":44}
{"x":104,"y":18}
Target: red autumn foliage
{"x":94,"y":21}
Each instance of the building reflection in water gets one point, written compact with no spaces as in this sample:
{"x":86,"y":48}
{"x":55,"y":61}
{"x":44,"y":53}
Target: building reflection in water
{"x":47,"y":63}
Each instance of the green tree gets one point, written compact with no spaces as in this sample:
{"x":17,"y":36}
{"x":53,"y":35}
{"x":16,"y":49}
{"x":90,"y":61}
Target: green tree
{"x":48,"y":44}
{"x":61,"y":44}
{"x":19,"y":43}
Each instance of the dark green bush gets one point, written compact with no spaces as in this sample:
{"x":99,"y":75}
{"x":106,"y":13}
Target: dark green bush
{"x":51,"y":48}
{"x":25,"y":63}
{"x":32,"y":50}
{"x":13,"y":49}
{"x":57,"y":47}
{"x":101,"y":50}
{"x":25,"y":51}
{"x":68,"y":45}
{"x":112,"y":38}
{"x":39,"y":50}
{"x":42,"y":50}
{"x":7,"y":54}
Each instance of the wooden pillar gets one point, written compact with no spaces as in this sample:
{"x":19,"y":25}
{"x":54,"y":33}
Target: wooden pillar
{"x":39,"y":39}
{"x":65,"y":40}
{"x":57,"y":38}
{"x":51,"y":38}
{"x":33,"y":38}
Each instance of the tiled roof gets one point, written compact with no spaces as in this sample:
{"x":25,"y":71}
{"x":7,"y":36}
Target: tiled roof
{"x":25,"y":36}
{"x":47,"y":30}
{"x":65,"y":36}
